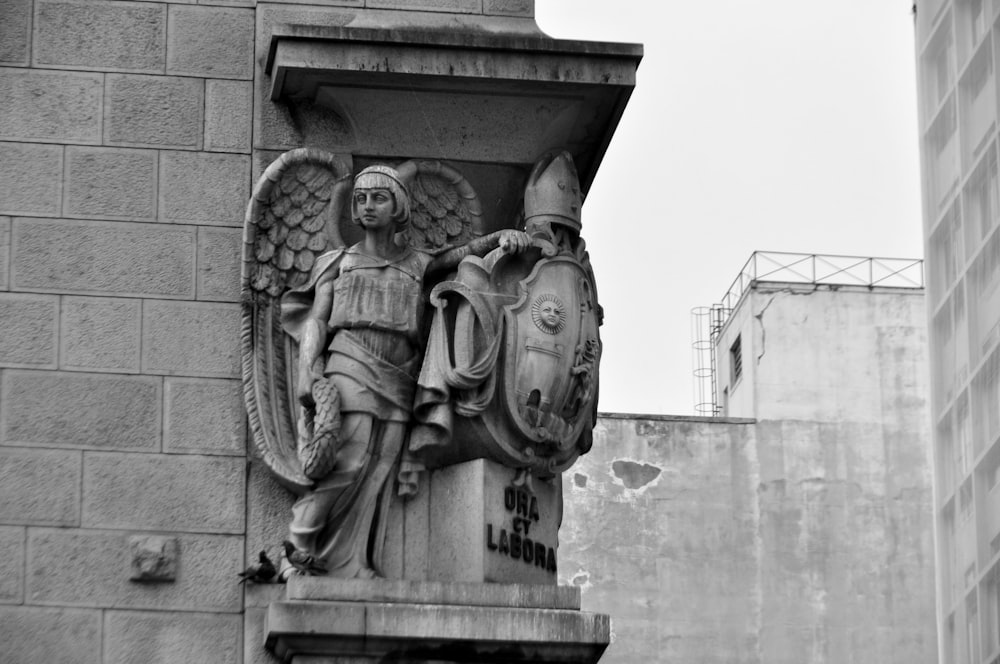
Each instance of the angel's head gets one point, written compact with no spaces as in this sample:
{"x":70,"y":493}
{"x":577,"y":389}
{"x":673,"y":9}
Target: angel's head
{"x":386,"y":178}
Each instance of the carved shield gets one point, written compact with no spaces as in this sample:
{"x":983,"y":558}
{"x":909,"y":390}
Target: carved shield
{"x":511,"y":371}
{"x":552,"y":351}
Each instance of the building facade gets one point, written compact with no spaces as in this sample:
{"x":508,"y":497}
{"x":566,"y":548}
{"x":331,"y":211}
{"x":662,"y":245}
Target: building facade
{"x":131,"y":134}
{"x":957,"y":50}
{"x":795,"y":529}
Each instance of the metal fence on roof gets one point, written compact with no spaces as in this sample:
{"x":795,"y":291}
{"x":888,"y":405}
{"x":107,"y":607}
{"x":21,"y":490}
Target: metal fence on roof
{"x":785,"y":267}
{"x":823,"y":269}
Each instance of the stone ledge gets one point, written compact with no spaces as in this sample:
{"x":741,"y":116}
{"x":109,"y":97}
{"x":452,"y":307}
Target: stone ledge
{"x":432,"y":632}
{"x":444,"y":38}
{"x":496,"y":595}
{"x":675,"y":418}
{"x":542,"y":91}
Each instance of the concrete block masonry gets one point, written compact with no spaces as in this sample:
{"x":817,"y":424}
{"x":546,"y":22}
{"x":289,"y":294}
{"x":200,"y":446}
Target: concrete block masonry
{"x":12,"y":552}
{"x":96,"y":411}
{"x":204,"y":188}
{"x":190,"y":339}
{"x":214,"y":42}
{"x":153,"y":111}
{"x":28,"y":325}
{"x":138,"y":636}
{"x":109,"y":258}
{"x":228,"y":115}
{"x":31,"y":182}
{"x":100,"y":334}
{"x":50,"y":106}
{"x":15,"y":31}
{"x":219,"y":263}
{"x":67,"y":636}
{"x":39,"y":487}
{"x":204,"y":416}
{"x":4,"y":252}
{"x":90,"y":568}
{"x":450,"y":6}
{"x":272,"y":128}
{"x":110,"y":183}
{"x":109,"y":36}
{"x":174,"y":492}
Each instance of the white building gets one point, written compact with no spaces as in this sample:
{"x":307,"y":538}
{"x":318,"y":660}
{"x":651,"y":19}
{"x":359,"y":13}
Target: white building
{"x":957,"y":50}
{"x":798,"y":527}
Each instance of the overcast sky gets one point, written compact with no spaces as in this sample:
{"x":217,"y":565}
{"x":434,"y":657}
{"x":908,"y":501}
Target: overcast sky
{"x":774,"y":125}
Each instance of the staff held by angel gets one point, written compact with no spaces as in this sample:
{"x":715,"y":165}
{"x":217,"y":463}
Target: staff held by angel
{"x":357,"y":318}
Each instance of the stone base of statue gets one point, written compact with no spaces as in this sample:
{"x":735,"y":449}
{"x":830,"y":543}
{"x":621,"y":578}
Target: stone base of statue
{"x":327,"y":621}
{"x":476,"y":522}
{"x":471,"y":562}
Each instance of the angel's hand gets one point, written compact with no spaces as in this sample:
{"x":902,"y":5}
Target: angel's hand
{"x":514,"y":242}
{"x":304,"y":389}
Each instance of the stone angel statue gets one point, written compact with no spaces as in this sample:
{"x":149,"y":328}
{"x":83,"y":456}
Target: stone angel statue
{"x":333,"y":336}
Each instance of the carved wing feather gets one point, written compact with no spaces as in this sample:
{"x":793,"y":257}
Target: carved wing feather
{"x":265,"y":390}
{"x":292,"y":218}
{"x":445,"y":210}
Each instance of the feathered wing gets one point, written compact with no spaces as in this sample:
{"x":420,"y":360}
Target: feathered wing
{"x":291,"y":219}
{"x":444,"y":208}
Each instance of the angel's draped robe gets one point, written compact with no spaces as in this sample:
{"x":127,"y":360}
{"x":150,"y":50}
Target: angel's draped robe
{"x":373,"y":358}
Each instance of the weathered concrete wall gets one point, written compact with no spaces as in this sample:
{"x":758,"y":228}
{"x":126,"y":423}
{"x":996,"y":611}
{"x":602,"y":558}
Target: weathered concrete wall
{"x":804,"y":535}
{"x":753,"y":542}
{"x":827,"y":353}
{"x":660,"y":530}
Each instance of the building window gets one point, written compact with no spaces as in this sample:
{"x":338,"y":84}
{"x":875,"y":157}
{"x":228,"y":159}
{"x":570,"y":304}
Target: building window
{"x":965,"y":501}
{"x":972,"y":627}
{"x":964,"y":430}
{"x":977,"y":20}
{"x":938,"y":67}
{"x":735,"y":361}
{"x":981,"y":202}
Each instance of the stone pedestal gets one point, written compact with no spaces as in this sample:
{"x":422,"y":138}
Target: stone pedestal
{"x":472,"y":522}
{"x":327,"y":621}
{"x":471,"y":561}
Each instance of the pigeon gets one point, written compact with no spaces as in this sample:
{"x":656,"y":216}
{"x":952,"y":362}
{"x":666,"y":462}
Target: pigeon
{"x":303,"y":562}
{"x":262,"y":572}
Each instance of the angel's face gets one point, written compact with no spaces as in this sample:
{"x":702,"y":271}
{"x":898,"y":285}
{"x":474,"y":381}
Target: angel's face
{"x":374,"y":207}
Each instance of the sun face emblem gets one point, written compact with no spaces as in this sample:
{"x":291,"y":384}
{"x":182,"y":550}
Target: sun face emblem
{"x":548,"y":313}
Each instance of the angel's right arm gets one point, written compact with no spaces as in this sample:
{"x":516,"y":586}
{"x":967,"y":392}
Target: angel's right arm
{"x":510,"y":240}
{"x":312,"y":341}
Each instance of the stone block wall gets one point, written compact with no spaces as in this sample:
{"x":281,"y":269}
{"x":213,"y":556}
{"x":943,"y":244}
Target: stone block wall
{"x":130,"y":133}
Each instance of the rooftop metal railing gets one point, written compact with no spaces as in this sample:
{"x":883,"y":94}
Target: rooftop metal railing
{"x":830,"y":269}
{"x":784,"y":267}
